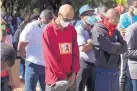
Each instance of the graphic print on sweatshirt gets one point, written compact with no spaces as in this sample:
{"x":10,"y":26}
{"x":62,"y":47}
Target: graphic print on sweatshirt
{"x":65,"y":48}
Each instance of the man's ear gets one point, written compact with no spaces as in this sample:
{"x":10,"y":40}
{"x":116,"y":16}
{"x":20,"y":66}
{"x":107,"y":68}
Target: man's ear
{"x":39,"y":18}
{"x":58,"y":14}
{"x":131,"y":8}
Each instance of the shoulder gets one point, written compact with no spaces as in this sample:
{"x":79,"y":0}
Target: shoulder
{"x":99,"y":27}
{"x":29,"y":25}
{"x":79,"y":29}
{"x":124,"y":15}
{"x":48,"y":28}
{"x":132,"y":29}
{"x":28,"y":28}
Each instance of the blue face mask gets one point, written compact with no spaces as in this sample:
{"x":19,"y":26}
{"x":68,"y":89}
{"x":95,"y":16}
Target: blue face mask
{"x":91,"y":20}
{"x":43,"y":25}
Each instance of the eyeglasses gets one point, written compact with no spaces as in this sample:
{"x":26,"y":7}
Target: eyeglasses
{"x":67,"y":20}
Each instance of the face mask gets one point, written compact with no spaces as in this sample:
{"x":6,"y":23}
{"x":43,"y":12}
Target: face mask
{"x":104,"y":13}
{"x":43,"y":25}
{"x":111,"y":27}
{"x":64,"y":24}
{"x":135,"y":11}
{"x":91,"y":20}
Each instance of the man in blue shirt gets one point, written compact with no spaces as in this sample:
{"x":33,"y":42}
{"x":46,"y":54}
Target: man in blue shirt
{"x":86,"y":75}
{"x":128,"y":18}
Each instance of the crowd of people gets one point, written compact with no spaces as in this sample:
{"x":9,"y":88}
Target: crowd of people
{"x":96,"y":52}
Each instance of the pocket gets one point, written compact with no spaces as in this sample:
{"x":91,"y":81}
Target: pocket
{"x":102,"y":81}
{"x":114,"y":81}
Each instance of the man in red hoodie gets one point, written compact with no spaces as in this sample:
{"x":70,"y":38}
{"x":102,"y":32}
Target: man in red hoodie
{"x":61,"y":53}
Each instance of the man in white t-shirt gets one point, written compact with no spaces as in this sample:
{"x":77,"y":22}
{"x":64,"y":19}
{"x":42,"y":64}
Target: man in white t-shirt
{"x":30,"y":49}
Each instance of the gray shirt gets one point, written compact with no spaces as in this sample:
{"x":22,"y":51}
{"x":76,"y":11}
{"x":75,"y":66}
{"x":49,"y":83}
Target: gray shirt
{"x":82,"y":37}
{"x":131,"y":38}
{"x":107,"y":48}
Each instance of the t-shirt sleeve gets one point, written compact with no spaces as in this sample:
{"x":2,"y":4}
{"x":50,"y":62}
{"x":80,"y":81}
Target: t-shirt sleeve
{"x":80,"y":36}
{"x":26,"y":34}
{"x":122,"y":22}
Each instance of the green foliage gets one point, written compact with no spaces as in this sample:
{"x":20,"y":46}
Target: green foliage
{"x":30,"y":6}
{"x":123,"y":2}
{"x":94,"y":3}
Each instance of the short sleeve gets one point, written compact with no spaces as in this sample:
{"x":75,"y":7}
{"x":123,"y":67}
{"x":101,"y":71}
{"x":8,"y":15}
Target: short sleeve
{"x":80,"y":36}
{"x":26,"y":34}
{"x":122,"y":22}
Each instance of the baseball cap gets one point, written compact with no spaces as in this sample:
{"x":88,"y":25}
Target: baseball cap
{"x":84,"y":9}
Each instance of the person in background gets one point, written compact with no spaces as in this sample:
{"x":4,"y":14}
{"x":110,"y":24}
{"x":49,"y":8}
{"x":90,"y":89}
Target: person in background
{"x":128,"y":18}
{"x":86,"y":9}
{"x":108,"y":45}
{"x":121,"y":9}
{"x":101,"y":12}
{"x":14,"y":22}
{"x":8,"y":56}
{"x":86,"y":75}
{"x":131,"y":59}
{"x":19,"y":20}
{"x":30,"y":49}
{"x":8,"y":27}
{"x":60,"y":50}
{"x":31,"y":18}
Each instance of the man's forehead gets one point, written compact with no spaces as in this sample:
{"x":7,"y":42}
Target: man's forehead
{"x":114,"y":18}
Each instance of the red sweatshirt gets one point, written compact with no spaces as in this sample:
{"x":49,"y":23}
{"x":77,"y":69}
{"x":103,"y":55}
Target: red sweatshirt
{"x":61,"y":53}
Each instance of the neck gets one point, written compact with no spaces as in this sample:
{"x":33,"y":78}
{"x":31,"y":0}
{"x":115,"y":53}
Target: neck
{"x":131,"y":13}
{"x":57,"y":21}
{"x":85,"y":26}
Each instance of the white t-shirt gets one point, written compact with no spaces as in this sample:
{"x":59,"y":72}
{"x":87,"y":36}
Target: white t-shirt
{"x":32,"y":34}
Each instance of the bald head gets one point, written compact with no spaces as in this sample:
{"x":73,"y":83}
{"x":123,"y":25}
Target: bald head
{"x":66,"y":11}
{"x":113,"y":15}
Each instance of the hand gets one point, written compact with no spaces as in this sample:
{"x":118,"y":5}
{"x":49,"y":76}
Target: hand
{"x":72,"y":79}
{"x":11,"y":84}
{"x":89,"y":41}
{"x":123,"y":32}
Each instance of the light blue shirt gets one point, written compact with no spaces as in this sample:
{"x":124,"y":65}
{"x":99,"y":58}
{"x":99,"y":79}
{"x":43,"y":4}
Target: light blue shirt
{"x":126,"y":20}
{"x":82,"y":37}
{"x":78,"y":23}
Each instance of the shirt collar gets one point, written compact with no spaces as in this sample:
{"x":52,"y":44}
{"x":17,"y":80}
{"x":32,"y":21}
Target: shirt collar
{"x":55,"y":25}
